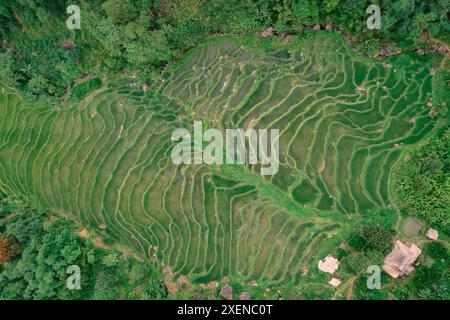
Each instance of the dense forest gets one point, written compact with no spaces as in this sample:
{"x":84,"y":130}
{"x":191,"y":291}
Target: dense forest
{"x":44,"y":60}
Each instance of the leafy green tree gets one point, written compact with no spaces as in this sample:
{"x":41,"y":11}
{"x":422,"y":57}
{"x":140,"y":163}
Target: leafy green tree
{"x":8,"y":249}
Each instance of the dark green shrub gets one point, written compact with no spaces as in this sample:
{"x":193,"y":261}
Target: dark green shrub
{"x":371,"y":237}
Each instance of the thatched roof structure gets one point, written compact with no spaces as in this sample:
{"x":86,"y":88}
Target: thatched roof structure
{"x":227,"y":292}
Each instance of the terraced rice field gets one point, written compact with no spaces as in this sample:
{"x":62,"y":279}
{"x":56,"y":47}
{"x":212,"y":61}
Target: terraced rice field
{"x":344,"y":122}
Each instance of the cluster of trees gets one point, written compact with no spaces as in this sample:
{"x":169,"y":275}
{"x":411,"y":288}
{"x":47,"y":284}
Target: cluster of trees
{"x":36,"y":249}
{"x":8,"y":249}
{"x":431,"y":278}
{"x":41,"y":56}
{"x":432,"y":282}
{"x":145,"y":35}
{"x":423,"y":181}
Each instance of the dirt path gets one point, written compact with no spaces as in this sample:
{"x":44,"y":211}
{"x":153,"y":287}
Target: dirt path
{"x":350,"y":291}
{"x":447,"y":50}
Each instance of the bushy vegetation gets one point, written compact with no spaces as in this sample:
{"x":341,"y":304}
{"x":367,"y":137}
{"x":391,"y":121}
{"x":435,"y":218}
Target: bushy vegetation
{"x":82,"y":89}
{"x":424,"y":180}
{"x":430,"y":279}
{"x":117,"y":163}
{"x":36,"y":248}
{"x":8,"y":249}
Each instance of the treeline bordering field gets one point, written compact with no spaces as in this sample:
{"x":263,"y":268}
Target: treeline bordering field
{"x":40,"y":55}
{"x":423,"y":181}
{"x":64,"y":63}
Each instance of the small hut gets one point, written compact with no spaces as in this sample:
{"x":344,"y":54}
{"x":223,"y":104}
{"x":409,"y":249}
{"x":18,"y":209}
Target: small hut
{"x":329,"y":264}
{"x":335,"y":282}
{"x":432,"y":234}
